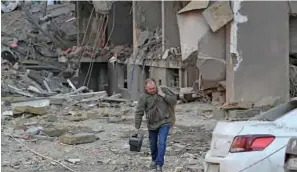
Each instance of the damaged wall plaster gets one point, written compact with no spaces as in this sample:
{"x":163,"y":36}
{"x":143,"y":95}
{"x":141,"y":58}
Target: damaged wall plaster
{"x":192,"y":27}
{"x":237,"y":18}
{"x":195,"y":35}
{"x":261,"y":50}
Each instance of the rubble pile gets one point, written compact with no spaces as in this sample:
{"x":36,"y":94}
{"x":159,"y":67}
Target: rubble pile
{"x":77,"y":52}
{"x":150,"y":47}
{"x":74,"y":107}
{"x":30,"y":51}
{"x":30,"y":68}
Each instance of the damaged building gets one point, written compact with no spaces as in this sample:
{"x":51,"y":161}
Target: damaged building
{"x":233,"y":52}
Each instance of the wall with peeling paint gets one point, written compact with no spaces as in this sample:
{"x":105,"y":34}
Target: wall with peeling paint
{"x":259,"y":51}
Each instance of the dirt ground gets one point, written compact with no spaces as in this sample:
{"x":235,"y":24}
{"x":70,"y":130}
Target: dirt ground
{"x":186,"y":146}
{"x":187,"y":143}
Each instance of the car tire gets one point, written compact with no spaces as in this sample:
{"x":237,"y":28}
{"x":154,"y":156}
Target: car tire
{"x":287,"y":163}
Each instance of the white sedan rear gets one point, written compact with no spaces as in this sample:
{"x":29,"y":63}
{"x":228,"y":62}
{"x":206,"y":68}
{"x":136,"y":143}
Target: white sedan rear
{"x":257,"y":145}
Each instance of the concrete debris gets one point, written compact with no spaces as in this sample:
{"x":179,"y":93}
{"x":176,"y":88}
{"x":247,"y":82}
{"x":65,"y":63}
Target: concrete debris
{"x":178,"y":169}
{"x":269,"y":101}
{"x":187,"y":94}
{"x":80,"y":138}
{"x":86,"y":52}
{"x":241,"y":115}
{"x":190,"y":24}
{"x":24,"y":46}
{"x":194,"y":5}
{"x":218,"y":98}
{"x":18,"y":91}
{"x":7,"y":113}
{"x":73,"y":161}
{"x":219,"y":114}
{"x":50,"y":118}
{"x":53,"y":132}
{"x":34,"y":131}
{"x":8,"y":6}
{"x":32,"y":103}
{"x":29,"y":109}
{"x":194,"y":168}
{"x":218,"y":14}
{"x":237,"y":106}
{"x":150,"y":47}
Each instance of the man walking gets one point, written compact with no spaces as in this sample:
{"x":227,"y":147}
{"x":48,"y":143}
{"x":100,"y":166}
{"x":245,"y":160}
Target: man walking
{"x":156,"y":104}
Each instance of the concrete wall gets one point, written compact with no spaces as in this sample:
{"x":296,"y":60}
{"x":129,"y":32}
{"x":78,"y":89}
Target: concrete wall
{"x":196,"y":36}
{"x":160,"y":75}
{"x":98,"y":79}
{"x":148,"y":15}
{"x":212,"y":55}
{"x":293,"y":34}
{"x":122,"y":32}
{"x":259,"y":39}
{"x":85,"y":10}
{"x":171,"y":34}
{"x":135,"y":81}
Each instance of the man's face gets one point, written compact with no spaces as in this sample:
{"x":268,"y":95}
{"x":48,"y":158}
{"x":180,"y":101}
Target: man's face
{"x":151,"y":87}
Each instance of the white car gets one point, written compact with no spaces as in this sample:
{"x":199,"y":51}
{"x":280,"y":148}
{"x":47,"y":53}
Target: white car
{"x":257,"y":145}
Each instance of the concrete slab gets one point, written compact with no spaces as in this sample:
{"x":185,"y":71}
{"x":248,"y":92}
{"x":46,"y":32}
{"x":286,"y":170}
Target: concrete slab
{"x":103,"y":7}
{"x":293,"y":7}
{"x":80,"y":138}
{"x":218,"y":14}
{"x":194,"y":5}
{"x":192,"y":27}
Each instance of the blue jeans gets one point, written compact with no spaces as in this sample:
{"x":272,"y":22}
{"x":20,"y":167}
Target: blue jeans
{"x":158,"y":148}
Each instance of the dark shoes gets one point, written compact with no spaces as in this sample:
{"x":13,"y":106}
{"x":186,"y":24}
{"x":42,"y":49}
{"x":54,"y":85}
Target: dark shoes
{"x":153,"y":165}
{"x":159,"y":168}
{"x":156,"y":167}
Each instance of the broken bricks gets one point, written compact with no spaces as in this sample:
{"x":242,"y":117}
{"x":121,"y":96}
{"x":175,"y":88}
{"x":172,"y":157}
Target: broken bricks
{"x":80,"y":138}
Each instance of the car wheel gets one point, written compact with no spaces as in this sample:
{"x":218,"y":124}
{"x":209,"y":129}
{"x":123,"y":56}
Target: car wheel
{"x":291,"y":164}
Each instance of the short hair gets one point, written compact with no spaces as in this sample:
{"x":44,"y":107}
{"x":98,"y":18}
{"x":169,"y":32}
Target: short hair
{"x":149,"y":80}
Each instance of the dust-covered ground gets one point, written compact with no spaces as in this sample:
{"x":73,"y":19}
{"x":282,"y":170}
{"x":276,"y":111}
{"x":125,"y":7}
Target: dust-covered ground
{"x":187,"y":143}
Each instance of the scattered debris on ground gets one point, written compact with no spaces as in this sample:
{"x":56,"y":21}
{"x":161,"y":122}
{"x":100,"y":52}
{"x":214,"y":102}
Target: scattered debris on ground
{"x":49,"y":123}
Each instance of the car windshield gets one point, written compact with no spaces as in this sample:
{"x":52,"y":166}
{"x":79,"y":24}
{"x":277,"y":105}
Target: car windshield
{"x":285,"y":111}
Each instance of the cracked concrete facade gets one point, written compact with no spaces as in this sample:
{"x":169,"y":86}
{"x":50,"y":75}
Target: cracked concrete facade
{"x":248,"y":51}
{"x":258,"y":60}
